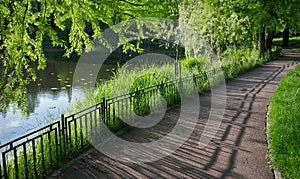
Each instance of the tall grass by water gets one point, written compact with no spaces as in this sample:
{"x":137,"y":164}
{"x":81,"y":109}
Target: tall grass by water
{"x":232,"y":62}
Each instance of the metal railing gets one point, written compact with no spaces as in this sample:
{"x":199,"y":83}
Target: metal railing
{"x":38,"y":153}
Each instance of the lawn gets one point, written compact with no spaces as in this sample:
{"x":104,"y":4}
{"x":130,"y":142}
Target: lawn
{"x":294,"y":42}
{"x":284,"y":134}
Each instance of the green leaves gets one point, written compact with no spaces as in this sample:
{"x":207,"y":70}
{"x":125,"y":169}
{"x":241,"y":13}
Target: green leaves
{"x":72,"y":25}
{"x":219,"y":24}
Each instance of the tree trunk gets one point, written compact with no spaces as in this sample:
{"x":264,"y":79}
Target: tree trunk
{"x":262,"y":43}
{"x":269,"y":42}
{"x":285,"y":40}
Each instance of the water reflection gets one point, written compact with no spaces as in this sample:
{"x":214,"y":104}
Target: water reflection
{"x":48,"y":97}
{"x":52,"y":93}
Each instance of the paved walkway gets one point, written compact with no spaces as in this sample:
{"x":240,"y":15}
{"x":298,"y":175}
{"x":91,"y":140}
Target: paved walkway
{"x":239,"y":149}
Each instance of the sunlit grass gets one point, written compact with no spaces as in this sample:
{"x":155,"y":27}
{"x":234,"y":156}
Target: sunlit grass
{"x":284,"y":126}
{"x":294,"y":42}
{"x":233,"y":62}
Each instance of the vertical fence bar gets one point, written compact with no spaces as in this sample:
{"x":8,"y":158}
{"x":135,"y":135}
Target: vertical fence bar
{"x":63,"y":137}
{"x":16,"y":163}
{"x":67,"y":135}
{"x":43,"y":156}
{"x":120,"y":111}
{"x":137,"y":101}
{"x":34,"y":158}
{"x":95,"y":120}
{"x":75,"y":131}
{"x":130,"y":105}
{"x":59,"y":139}
{"x":81,"y":133}
{"x":4,"y":165}
{"x":50,"y":146}
{"x":86,"y":126}
{"x":107,"y":111}
{"x":114,"y":112}
{"x":70,"y":136}
{"x":25,"y":161}
{"x":103,"y":108}
{"x":91,"y":125}
{"x":56,"y":146}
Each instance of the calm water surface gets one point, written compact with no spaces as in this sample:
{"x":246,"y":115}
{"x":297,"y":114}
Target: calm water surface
{"x":48,"y":97}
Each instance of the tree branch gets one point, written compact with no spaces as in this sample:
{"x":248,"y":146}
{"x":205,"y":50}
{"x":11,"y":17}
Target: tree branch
{"x":26,"y":9}
{"x":131,"y":3}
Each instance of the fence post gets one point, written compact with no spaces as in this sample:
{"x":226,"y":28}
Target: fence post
{"x":62,"y":123}
{"x":4,"y":165}
{"x":64,"y":138}
{"x":103,"y":108}
{"x":136,"y":103}
{"x":176,"y":69}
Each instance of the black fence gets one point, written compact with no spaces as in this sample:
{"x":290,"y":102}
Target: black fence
{"x":37,"y":154}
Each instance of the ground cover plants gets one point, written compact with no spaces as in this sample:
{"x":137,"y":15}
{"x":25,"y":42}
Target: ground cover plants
{"x":284,"y":125}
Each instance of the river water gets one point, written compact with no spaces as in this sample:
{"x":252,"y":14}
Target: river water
{"x":48,"y":97}
{"x":51,"y":94}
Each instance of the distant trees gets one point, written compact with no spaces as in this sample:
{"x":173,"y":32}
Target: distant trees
{"x":241,"y":22}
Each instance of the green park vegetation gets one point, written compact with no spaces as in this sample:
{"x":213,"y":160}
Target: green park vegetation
{"x":128,"y":80}
{"x":284,"y":126}
{"x":234,"y":62}
{"x":27,"y":27}
{"x":239,"y":33}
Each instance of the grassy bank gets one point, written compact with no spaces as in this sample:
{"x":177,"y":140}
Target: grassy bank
{"x":129,"y":79}
{"x":233,"y":62}
{"x":284,"y":126}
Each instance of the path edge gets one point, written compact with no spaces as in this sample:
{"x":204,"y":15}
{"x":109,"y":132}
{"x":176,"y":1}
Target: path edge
{"x":276,"y":171}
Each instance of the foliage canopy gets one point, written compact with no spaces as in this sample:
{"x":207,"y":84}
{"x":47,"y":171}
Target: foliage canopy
{"x":72,"y":25}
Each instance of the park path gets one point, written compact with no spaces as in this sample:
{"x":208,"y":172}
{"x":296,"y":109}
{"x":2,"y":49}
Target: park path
{"x":239,"y":149}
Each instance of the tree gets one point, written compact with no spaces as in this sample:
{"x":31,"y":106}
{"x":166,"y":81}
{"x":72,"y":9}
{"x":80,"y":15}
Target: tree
{"x":24,"y":26}
{"x":240,"y":22}
{"x":288,"y":16}
{"x":221,"y":24}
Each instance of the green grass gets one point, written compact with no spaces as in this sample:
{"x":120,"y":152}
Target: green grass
{"x":284,"y":134}
{"x":294,"y":42}
{"x":233,"y":62}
